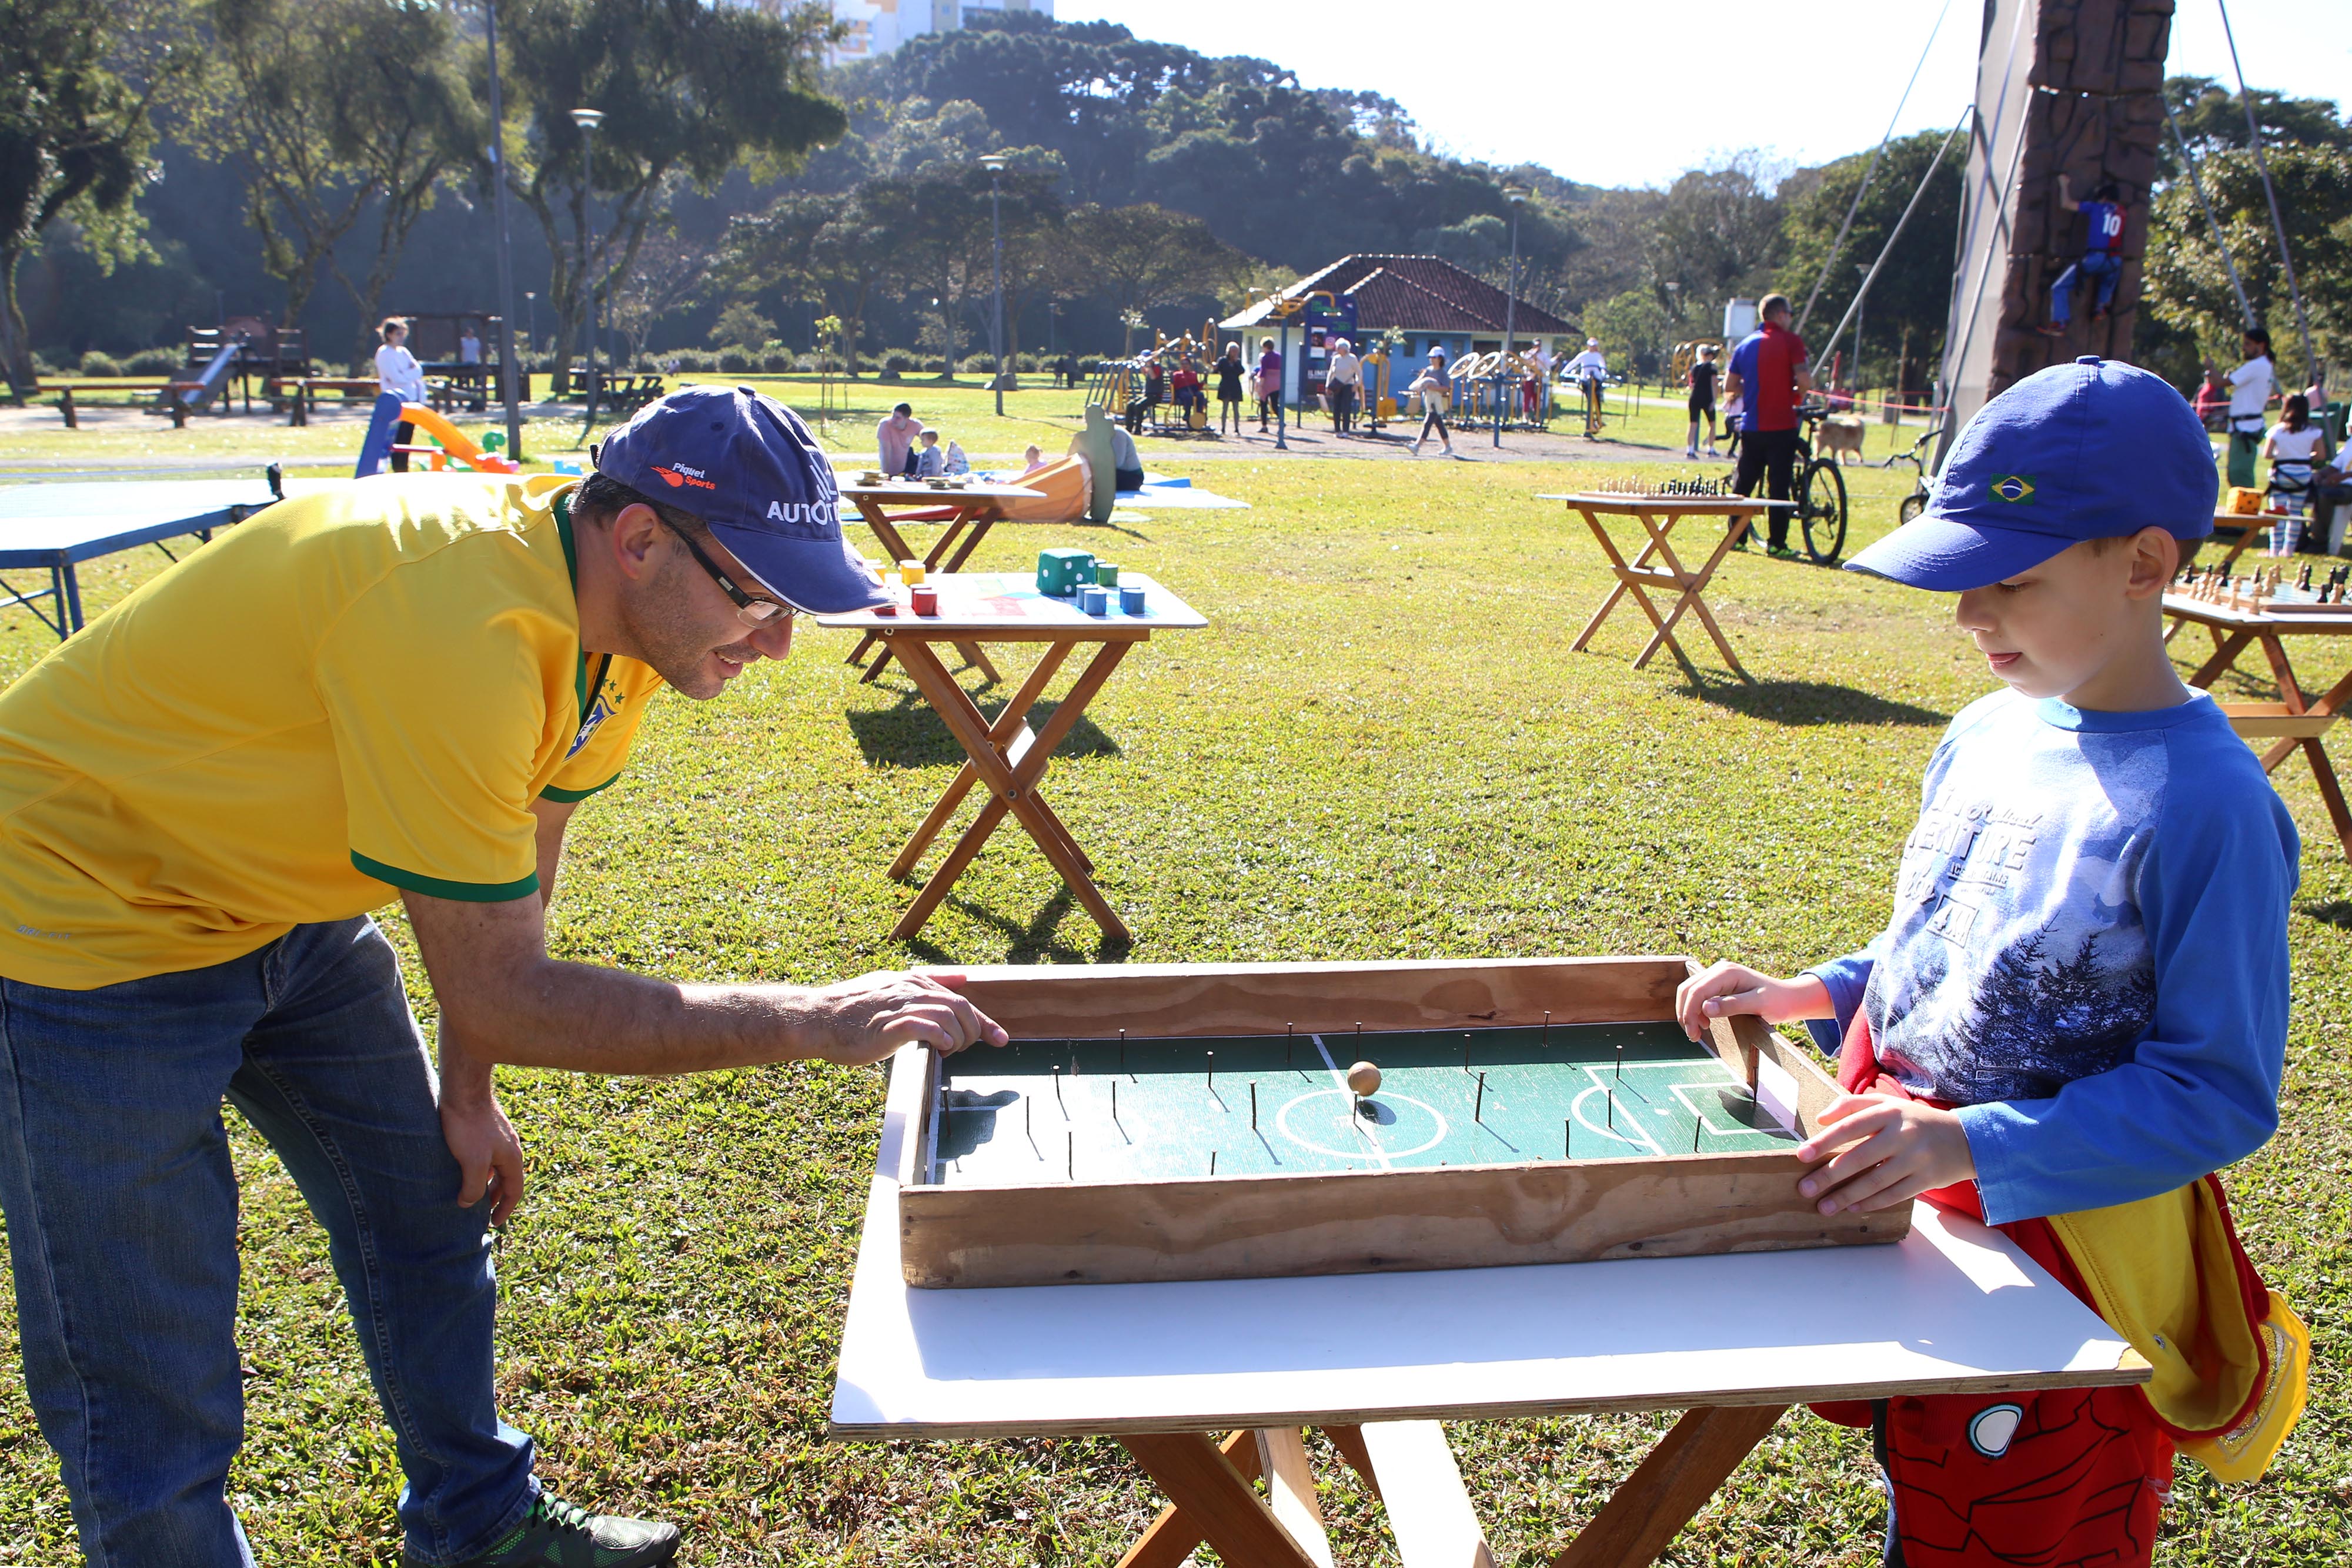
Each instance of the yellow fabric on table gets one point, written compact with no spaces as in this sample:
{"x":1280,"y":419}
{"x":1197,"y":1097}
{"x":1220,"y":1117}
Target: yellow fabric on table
{"x":359,"y":689}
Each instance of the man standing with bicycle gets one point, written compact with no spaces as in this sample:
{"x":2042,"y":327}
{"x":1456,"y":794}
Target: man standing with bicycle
{"x":1768,"y":376}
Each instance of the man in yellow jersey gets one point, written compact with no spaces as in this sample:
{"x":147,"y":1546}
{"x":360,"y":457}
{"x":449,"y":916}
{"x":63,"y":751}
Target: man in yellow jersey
{"x":400,"y":687}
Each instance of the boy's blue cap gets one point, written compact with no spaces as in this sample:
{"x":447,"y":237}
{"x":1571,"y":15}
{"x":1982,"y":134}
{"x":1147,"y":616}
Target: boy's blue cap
{"x":2088,"y":451}
{"x":745,"y":464}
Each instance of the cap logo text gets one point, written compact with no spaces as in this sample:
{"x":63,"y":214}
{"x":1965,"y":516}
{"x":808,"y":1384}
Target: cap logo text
{"x":809,"y":514}
{"x":681,"y":475}
{"x":2013,"y":488}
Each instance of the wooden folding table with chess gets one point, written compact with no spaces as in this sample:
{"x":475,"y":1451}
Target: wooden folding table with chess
{"x":1658,"y":511}
{"x":2262,"y":609}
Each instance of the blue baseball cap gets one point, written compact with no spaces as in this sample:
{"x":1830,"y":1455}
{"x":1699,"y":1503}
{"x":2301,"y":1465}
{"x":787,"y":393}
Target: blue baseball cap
{"x":2088,"y":451}
{"x":746,"y":466}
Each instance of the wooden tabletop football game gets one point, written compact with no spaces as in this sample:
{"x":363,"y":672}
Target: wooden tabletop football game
{"x":1375,"y":1233}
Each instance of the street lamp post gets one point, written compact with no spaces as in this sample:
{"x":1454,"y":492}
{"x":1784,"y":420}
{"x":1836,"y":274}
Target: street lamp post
{"x":510,"y":365}
{"x":588,"y":120}
{"x":995,"y":163}
{"x":1516,"y":195}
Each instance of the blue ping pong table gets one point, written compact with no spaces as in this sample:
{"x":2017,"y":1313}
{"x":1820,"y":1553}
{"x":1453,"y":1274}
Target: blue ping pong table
{"x":56,"y":527}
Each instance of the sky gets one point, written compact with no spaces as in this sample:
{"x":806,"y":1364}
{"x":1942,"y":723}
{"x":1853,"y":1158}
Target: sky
{"x":1610,"y":92}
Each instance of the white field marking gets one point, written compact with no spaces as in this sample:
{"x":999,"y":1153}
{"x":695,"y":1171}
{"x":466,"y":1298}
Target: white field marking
{"x":1282,"y":1124}
{"x":1683,"y":1091}
{"x":1602,"y":1129}
{"x":1339,"y":1078}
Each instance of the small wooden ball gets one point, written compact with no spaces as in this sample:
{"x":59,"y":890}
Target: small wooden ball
{"x":1364,"y":1078}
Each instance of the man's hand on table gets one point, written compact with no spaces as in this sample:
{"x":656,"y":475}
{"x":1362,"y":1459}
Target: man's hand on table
{"x":867,"y":1018}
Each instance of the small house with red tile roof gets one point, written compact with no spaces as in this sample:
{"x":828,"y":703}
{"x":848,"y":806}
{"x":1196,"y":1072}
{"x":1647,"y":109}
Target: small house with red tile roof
{"x":1431,"y":302}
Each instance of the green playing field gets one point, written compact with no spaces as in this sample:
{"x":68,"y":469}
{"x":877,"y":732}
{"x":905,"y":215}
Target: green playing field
{"x":1044,"y":1110}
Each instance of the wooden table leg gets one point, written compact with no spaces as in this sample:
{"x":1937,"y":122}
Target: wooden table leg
{"x":1649,"y":1509}
{"x":1203,"y":1482}
{"x":1617,"y":564}
{"x":2224,"y":655}
{"x":1010,"y":786}
{"x":1009,"y":724}
{"x":1428,"y":1507}
{"x":982,"y":522}
{"x":1694,"y":589}
{"x":1175,"y":1534}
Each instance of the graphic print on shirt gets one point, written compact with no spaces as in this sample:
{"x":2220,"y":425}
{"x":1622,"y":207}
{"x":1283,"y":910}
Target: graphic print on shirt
{"x":2016,"y":961}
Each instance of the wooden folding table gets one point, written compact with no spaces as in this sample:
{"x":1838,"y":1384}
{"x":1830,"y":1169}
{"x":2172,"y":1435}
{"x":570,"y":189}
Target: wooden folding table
{"x":2247,"y":526}
{"x":1378,"y":1361}
{"x":967,"y":510}
{"x":1658,"y":514}
{"x":2297,"y":720}
{"x":1007,"y":755}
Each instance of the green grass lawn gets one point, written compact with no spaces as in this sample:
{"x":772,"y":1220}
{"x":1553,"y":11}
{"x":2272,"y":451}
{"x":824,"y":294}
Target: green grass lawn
{"x":1382,"y":747}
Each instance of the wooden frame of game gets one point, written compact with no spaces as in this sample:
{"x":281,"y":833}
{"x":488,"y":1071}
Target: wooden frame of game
{"x":1265,"y":1226}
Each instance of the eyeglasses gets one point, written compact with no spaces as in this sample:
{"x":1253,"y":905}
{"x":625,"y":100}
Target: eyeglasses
{"x":750,"y":611}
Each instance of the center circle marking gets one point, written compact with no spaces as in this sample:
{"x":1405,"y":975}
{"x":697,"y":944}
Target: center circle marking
{"x":1366,"y":1150}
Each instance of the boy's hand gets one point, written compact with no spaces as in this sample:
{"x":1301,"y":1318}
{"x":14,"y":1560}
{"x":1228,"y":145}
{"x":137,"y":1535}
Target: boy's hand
{"x":1722,"y":989}
{"x":1891,"y":1152}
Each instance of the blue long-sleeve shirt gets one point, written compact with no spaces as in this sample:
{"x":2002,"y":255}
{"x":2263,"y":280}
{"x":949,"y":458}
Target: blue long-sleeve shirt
{"x":2088,"y":954}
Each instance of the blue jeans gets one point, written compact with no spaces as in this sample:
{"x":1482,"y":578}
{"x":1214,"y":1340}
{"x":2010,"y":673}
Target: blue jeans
{"x":2103,"y":267}
{"x":122,"y":1210}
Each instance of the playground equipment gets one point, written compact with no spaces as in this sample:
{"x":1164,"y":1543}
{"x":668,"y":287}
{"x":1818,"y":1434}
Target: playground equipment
{"x":1123,"y":387}
{"x":452,"y":445}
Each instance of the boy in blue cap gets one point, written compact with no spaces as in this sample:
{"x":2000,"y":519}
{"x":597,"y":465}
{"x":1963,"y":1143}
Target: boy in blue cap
{"x":2077,"y":1012}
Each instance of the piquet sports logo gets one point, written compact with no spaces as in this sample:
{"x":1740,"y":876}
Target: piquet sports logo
{"x":679,"y":477}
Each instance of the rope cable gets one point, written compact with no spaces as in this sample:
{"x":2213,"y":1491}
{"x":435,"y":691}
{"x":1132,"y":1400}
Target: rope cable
{"x":2278,"y":225}
{"x":1870,"y":172}
{"x":1913,"y":205}
{"x":2188,"y":161}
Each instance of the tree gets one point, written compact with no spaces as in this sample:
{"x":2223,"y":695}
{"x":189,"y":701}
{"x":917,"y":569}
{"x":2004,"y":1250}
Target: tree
{"x":1908,"y":304}
{"x":75,"y":135}
{"x":837,"y":249}
{"x":667,"y":273}
{"x":2188,"y":288}
{"x":689,"y":92}
{"x":1140,"y":256}
{"x":942,"y":227}
{"x":335,"y":110}
{"x":2213,"y":119}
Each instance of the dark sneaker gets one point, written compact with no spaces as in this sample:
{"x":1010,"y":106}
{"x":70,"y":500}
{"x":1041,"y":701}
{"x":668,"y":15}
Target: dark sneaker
{"x":557,"y":1535}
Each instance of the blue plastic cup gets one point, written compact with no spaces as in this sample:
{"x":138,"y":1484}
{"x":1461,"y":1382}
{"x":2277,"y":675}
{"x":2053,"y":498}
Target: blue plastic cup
{"x":1131,"y":598}
{"x":1093,"y":601}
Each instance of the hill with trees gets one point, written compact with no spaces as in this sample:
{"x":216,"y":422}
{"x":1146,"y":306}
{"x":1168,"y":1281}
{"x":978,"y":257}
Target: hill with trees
{"x":325,"y":161}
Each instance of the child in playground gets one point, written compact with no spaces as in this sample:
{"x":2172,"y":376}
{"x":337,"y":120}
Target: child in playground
{"x":397,"y":374}
{"x":2077,"y":1011}
{"x":1033,"y":459}
{"x":929,"y":461}
{"x":1702,"y":400}
{"x":1229,"y":389}
{"x":895,"y":438}
{"x":1436,"y":394}
{"x":1269,"y":381}
{"x":2293,"y":447}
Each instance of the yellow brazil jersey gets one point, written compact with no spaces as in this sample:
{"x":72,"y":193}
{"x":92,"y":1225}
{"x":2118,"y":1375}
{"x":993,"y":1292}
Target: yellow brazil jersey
{"x":361,"y":689}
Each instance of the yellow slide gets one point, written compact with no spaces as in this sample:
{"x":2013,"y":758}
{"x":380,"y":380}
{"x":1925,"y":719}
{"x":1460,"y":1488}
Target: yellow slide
{"x":454,"y":443}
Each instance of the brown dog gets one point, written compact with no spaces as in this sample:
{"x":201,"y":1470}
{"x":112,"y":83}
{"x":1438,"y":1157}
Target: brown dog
{"x":1841,"y":436}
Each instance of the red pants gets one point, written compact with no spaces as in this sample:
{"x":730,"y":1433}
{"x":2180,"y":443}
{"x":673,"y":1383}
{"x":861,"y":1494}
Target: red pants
{"x":2065,"y":1478}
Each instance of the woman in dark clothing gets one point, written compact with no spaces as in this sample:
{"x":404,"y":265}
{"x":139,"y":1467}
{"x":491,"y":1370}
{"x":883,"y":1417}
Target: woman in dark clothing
{"x":1229,"y":389}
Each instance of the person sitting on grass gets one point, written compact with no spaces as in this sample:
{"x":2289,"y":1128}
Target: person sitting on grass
{"x":422,"y":680}
{"x":956,"y":462}
{"x":1032,"y":459}
{"x":2077,"y":1011}
{"x":895,"y":436}
{"x":929,"y":461}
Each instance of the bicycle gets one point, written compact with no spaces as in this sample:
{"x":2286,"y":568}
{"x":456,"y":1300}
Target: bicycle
{"x":1820,"y":491}
{"x":1916,"y":501}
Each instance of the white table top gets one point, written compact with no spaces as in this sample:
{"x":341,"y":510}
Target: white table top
{"x":983,"y":602}
{"x":1605,"y":501}
{"x":1954,"y":1308}
{"x":922,"y":493}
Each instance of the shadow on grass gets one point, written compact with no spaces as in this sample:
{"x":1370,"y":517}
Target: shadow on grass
{"x":1039,"y":941}
{"x":911,"y":736}
{"x":1809,"y":702}
{"x":2336,"y":912}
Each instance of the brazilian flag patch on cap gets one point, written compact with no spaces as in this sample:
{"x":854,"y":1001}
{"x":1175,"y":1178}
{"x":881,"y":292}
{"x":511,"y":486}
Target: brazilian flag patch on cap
{"x":2013,"y":488}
